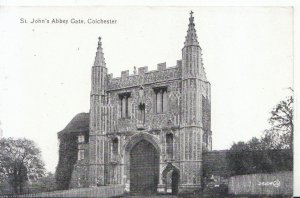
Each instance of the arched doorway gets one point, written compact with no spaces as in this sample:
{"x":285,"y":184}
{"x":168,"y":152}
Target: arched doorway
{"x":144,"y":168}
{"x":171,"y":178}
{"x":175,"y":181}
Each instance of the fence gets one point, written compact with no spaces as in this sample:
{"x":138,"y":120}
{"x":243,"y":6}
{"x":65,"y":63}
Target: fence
{"x":280,"y":183}
{"x":103,"y":191}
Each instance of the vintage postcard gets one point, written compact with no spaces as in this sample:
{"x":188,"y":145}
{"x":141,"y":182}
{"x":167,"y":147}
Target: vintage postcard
{"x":146,"y":101}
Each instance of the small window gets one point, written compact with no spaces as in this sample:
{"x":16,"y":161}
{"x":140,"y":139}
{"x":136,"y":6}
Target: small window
{"x":80,"y":154}
{"x":169,"y":141}
{"x":81,"y":139}
{"x":141,"y":115}
{"x":115,"y":145}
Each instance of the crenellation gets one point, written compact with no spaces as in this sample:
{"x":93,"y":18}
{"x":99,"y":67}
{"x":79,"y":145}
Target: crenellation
{"x":150,"y":77}
{"x":142,"y":70}
{"x":161,"y":66}
{"x":124,"y":74}
{"x":179,"y":63}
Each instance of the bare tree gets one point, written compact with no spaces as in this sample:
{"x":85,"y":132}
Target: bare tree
{"x":20,"y":161}
{"x":280,"y":135}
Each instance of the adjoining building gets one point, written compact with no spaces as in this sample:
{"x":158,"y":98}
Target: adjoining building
{"x":147,"y":130}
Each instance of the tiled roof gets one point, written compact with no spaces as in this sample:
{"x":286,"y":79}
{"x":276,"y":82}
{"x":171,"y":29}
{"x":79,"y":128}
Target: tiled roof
{"x":80,"y":123}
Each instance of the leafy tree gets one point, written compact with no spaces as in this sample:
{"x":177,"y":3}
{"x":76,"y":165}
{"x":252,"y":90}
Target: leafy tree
{"x":240,"y":158}
{"x":244,"y":158}
{"x":239,"y":146}
{"x":20,"y":161}
{"x":255,"y":144}
{"x":46,"y":183}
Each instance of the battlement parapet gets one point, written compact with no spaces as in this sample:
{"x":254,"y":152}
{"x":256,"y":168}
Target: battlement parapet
{"x":161,"y":66}
{"x":143,"y":76}
{"x":142,"y":70}
{"x":124,"y":74}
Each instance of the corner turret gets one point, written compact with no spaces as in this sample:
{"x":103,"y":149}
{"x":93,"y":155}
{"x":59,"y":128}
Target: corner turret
{"x":97,"y":125}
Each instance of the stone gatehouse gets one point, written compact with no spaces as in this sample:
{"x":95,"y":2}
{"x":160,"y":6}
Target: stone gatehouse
{"x":146,"y":130}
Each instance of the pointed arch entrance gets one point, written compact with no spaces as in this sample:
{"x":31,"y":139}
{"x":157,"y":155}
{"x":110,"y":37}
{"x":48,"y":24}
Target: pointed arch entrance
{"x":142,"y":155}
{"x":144,"y":168}
{"x":171,"y":178}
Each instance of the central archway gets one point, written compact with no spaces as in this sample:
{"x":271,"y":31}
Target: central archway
{"x":144,"y":168}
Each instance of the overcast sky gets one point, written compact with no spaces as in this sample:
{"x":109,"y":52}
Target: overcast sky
{"x":45,"y":69}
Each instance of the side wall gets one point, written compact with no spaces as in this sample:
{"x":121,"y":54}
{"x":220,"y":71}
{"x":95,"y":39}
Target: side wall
{"x":215,"y":167}
{"x":279,"y":183}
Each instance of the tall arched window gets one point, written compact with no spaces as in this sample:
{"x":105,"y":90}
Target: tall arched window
{"x":161,"y":99}
{"x":124,"y":104}
{"x":159,"y":102}
{"x":169,"y":141}
{"x":164,"y":101}
{"x":141,"y":113}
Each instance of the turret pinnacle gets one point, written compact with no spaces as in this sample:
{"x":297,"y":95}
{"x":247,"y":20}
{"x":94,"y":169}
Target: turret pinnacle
{"x":99,"y":59}
{"x":191,"y":37}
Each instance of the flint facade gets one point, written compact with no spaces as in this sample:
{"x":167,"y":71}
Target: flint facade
{"x":147,"y":130}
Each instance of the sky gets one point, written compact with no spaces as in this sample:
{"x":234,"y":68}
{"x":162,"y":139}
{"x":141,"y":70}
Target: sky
{"x":45,"y":69}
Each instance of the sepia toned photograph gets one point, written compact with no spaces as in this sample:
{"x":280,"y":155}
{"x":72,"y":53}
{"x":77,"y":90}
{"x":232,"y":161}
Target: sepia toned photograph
{"x":147,"y":101}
